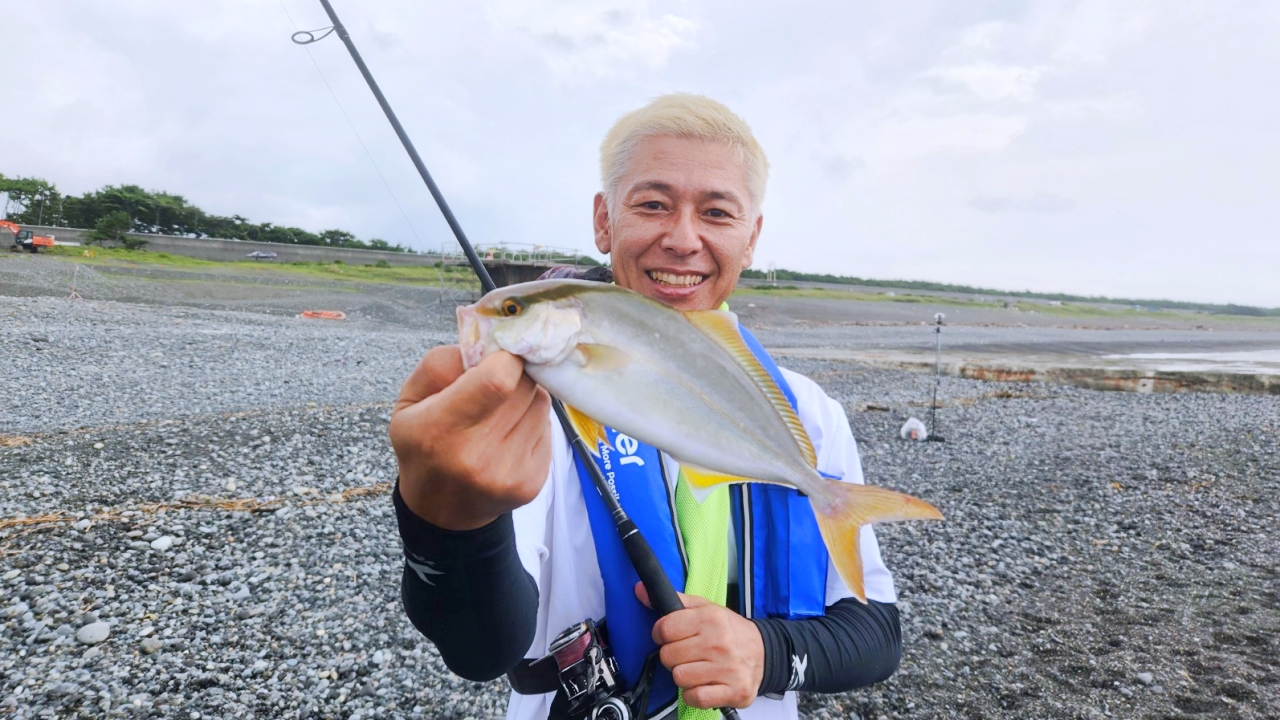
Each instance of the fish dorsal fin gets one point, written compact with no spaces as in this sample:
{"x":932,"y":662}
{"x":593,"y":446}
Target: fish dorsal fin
{"x":589,"y":430}
{"x":722,"y":328}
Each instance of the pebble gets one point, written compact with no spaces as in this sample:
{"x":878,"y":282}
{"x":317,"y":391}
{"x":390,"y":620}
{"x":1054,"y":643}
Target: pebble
{"x":93,"y":633}
{"x":1146,"y":678}
{"x":1004,"y":596}
{"x":162,"y":543}
{"x":150,"y":645}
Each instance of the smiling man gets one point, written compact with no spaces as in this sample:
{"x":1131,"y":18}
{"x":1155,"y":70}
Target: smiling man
{"x":503,"y":544}
{"x":679,"y":215}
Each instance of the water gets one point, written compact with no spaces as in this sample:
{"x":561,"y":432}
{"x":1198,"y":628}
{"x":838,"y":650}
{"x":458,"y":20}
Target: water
{"x":1260,"y":362}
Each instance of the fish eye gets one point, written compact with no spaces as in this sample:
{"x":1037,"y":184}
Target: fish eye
{"x":511,"y":307}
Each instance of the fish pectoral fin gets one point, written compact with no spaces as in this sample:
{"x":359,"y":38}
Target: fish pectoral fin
{"x":702,"y":482}
{"x":592,"y":356}
{"x":589,"y":430}
{"x":849,"y":507}
{"x":721,"y":327}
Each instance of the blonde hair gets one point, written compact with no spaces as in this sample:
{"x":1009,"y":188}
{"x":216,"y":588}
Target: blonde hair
{"x":682,"y":115}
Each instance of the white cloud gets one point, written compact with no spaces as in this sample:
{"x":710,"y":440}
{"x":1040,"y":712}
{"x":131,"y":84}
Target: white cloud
{"x":988,"y":81}
{"x":587,"y":40}
{"x":962,"y":134}
{"x":1039,"y":204}
{"x":1139,"y":132}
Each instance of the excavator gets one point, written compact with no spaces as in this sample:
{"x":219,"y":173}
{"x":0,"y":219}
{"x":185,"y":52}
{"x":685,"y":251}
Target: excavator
{"x":25,"y":239}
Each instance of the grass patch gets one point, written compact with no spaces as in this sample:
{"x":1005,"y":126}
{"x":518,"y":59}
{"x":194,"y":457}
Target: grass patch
{"x":381,"y":272}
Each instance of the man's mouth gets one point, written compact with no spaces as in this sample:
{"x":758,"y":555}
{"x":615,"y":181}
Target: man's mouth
{"x":674,"y":279}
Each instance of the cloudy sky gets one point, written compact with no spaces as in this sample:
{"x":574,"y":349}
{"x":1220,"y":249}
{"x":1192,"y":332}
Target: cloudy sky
{"x":1101,"y":147}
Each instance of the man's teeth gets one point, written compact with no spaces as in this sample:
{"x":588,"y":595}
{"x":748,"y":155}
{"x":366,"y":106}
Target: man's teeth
{"x":677,"y":280}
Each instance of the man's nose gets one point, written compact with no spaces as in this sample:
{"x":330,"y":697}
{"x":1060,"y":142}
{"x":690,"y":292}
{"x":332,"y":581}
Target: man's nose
{"x":682,"y":238}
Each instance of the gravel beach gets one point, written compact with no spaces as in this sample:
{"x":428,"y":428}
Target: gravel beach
{"x":195,"y":522}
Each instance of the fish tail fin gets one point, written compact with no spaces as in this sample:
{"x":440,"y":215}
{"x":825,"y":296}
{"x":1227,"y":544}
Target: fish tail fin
{"x":847,"y":508}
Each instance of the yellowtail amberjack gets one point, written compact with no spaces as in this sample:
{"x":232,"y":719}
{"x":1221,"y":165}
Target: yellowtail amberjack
{"x":683,"y":382}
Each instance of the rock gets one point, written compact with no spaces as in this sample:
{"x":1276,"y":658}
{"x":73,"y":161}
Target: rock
{"x":151,"y":645}
{"x":93,"y":633}
{"x":162,"y":543}
{"x":1146,"y":678}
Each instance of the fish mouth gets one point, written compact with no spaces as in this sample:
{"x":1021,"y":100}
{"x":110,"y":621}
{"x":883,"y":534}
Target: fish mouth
{"x":676,"y":279}
{"x":471,"y":327}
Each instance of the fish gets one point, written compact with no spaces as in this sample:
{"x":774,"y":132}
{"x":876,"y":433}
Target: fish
{"x":685,"y":383}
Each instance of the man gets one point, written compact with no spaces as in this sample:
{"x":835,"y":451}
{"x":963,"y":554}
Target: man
{"x":493,"y":513}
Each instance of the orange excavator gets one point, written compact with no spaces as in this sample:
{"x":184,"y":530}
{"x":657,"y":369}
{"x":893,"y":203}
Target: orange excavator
{"x":25,"y":239}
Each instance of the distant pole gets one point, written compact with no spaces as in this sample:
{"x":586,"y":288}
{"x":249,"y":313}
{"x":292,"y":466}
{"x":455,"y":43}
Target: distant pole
{"x":937,"y":377}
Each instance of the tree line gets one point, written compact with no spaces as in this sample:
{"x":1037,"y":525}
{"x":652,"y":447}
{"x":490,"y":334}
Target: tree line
{"x":1218,"y":309}
{"x":34,"y":201}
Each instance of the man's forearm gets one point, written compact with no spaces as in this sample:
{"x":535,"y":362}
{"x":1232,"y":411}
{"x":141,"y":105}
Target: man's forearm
{"x":468,"y":593}
{"x":853,"y":645}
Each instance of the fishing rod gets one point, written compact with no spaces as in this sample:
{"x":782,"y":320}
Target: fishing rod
{"x":662,"y":594}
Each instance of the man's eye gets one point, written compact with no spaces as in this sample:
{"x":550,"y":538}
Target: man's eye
{"x":718,"y":213}
{"x":651,"y":205}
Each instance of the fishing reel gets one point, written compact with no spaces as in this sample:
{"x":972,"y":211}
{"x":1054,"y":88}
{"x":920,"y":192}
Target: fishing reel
{"x":589,"y":673}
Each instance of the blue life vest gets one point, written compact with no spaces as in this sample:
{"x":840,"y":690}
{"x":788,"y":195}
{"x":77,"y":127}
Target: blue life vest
{"x":782,"y":561}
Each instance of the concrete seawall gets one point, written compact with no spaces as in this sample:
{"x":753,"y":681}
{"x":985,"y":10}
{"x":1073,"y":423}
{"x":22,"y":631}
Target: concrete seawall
{"x":1062,"y":370}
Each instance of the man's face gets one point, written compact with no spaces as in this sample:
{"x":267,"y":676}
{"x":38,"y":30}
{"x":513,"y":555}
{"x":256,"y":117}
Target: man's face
{"x":683,"y":226}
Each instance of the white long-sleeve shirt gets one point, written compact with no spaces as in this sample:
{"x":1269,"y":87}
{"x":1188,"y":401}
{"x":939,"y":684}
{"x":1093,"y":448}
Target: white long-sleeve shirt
{"x":554,"y":542}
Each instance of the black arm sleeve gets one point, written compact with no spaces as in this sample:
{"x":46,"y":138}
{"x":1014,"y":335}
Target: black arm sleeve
{"x":468,"y":593}
{"x":851,"y":646}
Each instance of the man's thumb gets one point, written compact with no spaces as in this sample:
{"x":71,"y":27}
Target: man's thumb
{"x":689,"y":601}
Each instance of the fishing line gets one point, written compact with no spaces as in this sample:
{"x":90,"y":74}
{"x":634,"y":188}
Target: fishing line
{"x":662,"y":595}
{"x":309,"y":36}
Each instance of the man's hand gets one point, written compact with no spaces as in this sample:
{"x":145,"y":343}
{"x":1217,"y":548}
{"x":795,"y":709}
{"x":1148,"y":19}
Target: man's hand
{"x":471,"y":446}
{"x":714,"y":654}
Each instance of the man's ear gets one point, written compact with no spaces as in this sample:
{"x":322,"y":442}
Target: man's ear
{"x":750,"y":250}
{"x":600,"y":218}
